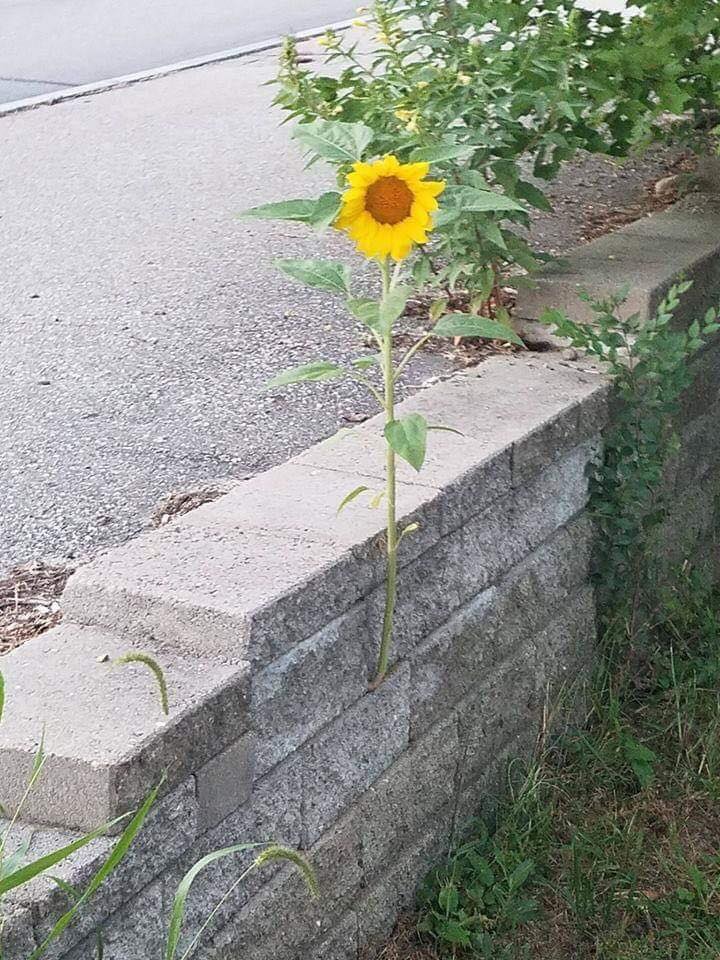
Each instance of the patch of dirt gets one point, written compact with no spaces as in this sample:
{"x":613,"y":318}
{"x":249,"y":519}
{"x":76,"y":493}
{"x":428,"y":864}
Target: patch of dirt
{"x":29,"y":602}
{"x":179,"y":502}
{"x":405,"y":944}
{"x":595,"y":195}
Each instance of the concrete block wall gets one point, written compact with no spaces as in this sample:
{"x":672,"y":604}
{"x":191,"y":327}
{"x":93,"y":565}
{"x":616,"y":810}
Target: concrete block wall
{"x":265,"y":608}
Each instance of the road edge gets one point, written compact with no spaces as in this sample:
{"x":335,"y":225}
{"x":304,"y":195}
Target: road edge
{"x":129,"y":79}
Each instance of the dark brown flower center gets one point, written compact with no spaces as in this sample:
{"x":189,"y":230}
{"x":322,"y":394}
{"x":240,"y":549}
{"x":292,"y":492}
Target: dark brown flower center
{"x":389,"y":200}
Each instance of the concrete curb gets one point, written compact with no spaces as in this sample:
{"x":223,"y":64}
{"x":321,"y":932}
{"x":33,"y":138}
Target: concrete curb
{"x":647,"y":257}
{"x":155,"y":73}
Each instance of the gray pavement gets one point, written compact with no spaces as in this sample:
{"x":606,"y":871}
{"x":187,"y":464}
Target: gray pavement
{"x":46,"y":45}
{"x":140,"y":318}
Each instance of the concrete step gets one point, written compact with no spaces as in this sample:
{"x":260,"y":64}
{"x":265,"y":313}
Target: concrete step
{"x":106,"y":739}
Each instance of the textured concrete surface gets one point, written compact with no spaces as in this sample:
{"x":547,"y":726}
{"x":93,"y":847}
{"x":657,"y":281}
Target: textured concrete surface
{"x":273,"y":570}
{"x":107,"y":741}
{"x":647,"y":257}
{"x":45,"y":45}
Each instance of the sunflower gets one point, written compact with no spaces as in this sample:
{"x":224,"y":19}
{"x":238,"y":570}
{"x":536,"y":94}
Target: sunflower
{"x":387,"y":206}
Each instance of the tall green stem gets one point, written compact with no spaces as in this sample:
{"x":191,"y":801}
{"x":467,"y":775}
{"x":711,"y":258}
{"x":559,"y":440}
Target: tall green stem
{"x":391,"y":534}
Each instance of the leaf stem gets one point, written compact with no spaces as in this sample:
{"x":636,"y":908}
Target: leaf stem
{"x":391,"y":536}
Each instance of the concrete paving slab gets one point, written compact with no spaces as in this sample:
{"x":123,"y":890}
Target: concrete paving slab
{"x":106,"y":739}
{"x":647,"y":256}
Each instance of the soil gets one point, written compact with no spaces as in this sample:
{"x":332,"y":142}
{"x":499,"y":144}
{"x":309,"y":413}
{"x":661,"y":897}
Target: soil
{"x":29,"y":602}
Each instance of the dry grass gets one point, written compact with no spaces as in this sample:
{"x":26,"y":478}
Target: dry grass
{"x":29,"y":597}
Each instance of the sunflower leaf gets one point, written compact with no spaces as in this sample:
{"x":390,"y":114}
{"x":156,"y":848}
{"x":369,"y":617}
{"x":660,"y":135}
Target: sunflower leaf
{"x":334,"y":140}
{"x":445,"y":150}
{"x":461,"y":199}
{"x":472,"y":325}
{"x":366,"y":311}
{"x":392,"y":306}
{"x":300,"y":210}
{"x":349,"y":497}
{"x":408,"y":438}
{"x":318,"y":213}
{"x":321,"y":274}
{"x":317,"y":370}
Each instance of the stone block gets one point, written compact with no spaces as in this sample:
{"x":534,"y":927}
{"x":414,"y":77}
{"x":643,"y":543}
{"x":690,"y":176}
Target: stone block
{"x":272,"y":814}
{"x":342,"y":945}
{"x":408,"y":798}
{"x":649,"y":255}
{"x":565,"y":649}
{"x":279,"y":923}
{"x":536,"y":589}
{"x":462,"y":565}
{"x":169,"y":829}
{"x":348,"y":755}
{"x":137,"y":932}
{"x":395,"y":892}
{"x":224,"y":783}
{"x":107,"y":742}
{"x":16,"y":931}
{"x":506,"y":702}
{"x":454,"y":659}
{"x":337,"y":859}
{"x":306,"y":688}
{"x":236,"y":594}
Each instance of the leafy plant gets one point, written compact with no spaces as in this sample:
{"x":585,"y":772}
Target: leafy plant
{"x":387,"y":209}
{"x":480,"y":891}
{"x":497,"y":95}
{"x":617,"y":819}
{"x":650,"y":365}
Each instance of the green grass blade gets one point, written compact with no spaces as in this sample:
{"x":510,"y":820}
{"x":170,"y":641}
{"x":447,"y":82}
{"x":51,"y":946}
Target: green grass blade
{"x":178,"y":908}
{"x":117,"y":854}
{"x":23,"y":875}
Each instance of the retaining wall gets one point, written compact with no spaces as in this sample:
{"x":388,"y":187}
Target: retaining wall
{"x":265,"y":609}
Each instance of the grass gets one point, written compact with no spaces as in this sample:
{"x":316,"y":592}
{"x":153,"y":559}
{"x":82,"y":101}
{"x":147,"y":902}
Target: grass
{"x":610,"y":848}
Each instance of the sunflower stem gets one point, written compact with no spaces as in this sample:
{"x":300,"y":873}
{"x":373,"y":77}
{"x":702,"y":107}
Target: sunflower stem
{"x":390,"y":479}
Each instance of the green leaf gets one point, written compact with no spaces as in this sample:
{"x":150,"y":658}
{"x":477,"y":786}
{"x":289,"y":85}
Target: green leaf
{"x":408,"y":438}
{"x":152,"y":665}
{"x":474,"y":200}
{"x":472,"y":325}
{"x":300,"y":210}
{"x":446,"y":150}
{"x":327,"y":275}
{"x":366,"y":311}
{"x":317,"y":370}
{"x":641,"y":759}
{"x":438,"y":426}
{"x":117,"y":854}
{"x":335,"y":140}
{"x":364,"y":363}
{"x":533,"y":195}
{"x":325,"y":211}
{"x":348,"y":498}
{"x":318,"y":213}
{"x":178,"y":908}
{"x":392,"y":306}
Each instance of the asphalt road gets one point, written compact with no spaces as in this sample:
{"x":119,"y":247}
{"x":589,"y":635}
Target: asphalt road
{"x":46,"y":45}
{"x":140,"y":318}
